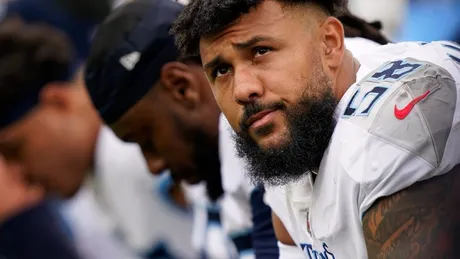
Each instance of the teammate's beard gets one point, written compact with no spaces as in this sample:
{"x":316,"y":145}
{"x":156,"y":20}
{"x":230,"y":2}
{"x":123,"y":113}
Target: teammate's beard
{"x":206,"y":162}
{"x":206,"y":157}
{"x":310,"y":124}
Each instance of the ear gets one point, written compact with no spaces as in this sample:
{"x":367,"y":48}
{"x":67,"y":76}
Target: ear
{"x":56,"y":95}
{"x":179,"y":79}
{"x":333,"y":42}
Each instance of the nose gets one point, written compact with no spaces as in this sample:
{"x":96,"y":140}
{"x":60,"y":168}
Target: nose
{"x":155,"y":164}
{"x":246,"y":87}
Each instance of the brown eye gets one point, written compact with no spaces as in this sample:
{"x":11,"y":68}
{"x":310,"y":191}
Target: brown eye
{"x":221,"y":71}
{"x":260,"y":51}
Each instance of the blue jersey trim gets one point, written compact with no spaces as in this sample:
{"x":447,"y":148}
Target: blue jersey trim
{"x":243,"y":241}
{"x":159,"y":251}
{"x":62,"y":219}
{"x":247,"y":252}
{"x":264,"y":241}
{"x":214,"y":221}
{"x":237,"y":234}
{"x":162,"y":188}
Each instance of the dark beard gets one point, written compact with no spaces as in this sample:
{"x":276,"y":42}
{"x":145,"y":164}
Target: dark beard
{"x":310,"y":124}
{"x":206,"y":157}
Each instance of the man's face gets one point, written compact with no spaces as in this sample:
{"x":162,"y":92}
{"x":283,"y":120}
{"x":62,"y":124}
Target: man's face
{"x":267,"y":76}
{"x":53,"y":143}
{"x":168,"y":139}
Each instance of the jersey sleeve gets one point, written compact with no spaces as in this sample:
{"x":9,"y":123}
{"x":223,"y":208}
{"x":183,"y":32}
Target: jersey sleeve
{"x":399,"y":127}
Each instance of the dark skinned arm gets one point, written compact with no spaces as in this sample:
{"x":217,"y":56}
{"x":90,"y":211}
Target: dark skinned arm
{"x":421,"y":221}
{"x":281,"y":232}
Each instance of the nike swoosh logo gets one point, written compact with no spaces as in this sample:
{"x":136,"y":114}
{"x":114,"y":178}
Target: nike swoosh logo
{"x":401,"y":114}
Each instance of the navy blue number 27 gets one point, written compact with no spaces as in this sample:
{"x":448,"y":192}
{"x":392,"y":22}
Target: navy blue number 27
{"x":395,"y":70}
{"x":456,"y":48}
{"x":391,"y":72}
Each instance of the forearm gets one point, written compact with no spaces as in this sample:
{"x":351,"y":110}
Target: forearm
{"x":422,"y":221}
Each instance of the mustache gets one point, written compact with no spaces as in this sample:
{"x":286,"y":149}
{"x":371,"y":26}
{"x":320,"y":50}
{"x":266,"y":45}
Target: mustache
{"x":254,"y":108}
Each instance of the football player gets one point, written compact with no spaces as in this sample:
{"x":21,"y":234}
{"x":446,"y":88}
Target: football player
{"x":52,"y":137}
{"x":359,"y":151}
{"x":151,"y":95}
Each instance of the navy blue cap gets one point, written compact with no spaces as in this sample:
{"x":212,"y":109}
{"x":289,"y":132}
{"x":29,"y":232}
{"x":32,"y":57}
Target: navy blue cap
{"x":130,"y":70}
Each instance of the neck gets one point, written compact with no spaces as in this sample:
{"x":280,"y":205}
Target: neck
{"x":178,"y":195}
{"x":347,"y":74}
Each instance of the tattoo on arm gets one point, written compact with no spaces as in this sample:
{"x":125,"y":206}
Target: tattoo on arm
{"x":421,"y":221}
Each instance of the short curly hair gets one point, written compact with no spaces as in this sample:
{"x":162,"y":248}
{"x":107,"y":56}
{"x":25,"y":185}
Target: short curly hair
{"x":204,"y":17}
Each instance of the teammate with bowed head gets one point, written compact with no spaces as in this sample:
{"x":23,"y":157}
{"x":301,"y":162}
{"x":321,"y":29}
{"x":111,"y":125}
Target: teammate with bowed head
{"x":52,"y":142}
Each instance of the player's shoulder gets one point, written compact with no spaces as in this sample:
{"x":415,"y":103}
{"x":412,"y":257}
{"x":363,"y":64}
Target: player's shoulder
{"x":360,"y":46}
{"x":408,"y":101}
{"x":113,"y":160}
{"x":441,"y":53}
{"x":113,"y":152}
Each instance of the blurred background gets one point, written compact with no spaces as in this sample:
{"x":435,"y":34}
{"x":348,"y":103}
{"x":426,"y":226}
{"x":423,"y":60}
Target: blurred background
{"x":402,"y":20}
{"x":412,"y":20}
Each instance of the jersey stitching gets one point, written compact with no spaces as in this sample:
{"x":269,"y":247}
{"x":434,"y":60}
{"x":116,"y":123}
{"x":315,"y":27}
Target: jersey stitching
{"x":364,"y":187}
{"x":388,"y":142}
{"x":425,"y":123}
{"x":403,"y":85}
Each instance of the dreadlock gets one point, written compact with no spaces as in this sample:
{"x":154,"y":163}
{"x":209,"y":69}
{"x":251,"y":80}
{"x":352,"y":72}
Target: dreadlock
{"x":357,"y":27}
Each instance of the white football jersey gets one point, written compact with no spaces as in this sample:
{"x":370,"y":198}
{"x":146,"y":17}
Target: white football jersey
{"x":360,"y":46}
{"x":236,"y":203}
{"x":208,"y":235}
{"x":231,"y":213}
{"x":230,"y":217}
{"x":397,"y":125}
{"x":91,"y":229}
{"x":131,"y":204}
{"x":236,"y":206}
